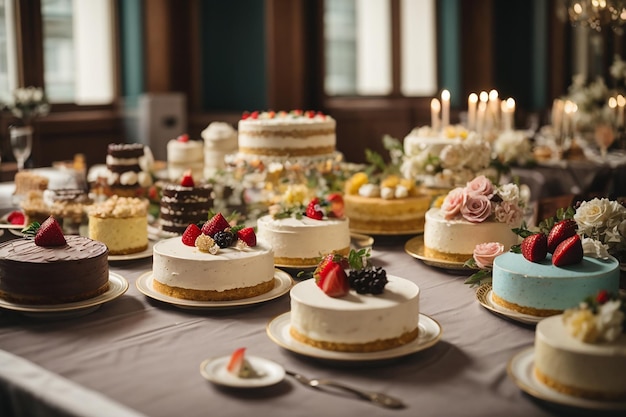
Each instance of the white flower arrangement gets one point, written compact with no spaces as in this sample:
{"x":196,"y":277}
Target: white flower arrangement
{"x":604,"y":221}
{"x":513,"y":147}
{"x":29,"y":103}
{"x":597,"y":319}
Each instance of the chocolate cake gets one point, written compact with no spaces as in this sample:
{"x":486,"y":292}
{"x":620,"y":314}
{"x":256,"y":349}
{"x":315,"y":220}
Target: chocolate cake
{"x":181,"y":206}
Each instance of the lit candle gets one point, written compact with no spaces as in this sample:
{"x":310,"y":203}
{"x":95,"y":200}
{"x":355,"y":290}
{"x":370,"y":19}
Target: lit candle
{"x":493,"y":109}
{"x":613,"y":106}
{"x":482,"y":110}
{"x":471,"y":111}
{"x":557,"y":116}
{"x":435,"y":107}
{"x":510,"y":109}
{"x":445,"y":108}
{"x":621,"y":102}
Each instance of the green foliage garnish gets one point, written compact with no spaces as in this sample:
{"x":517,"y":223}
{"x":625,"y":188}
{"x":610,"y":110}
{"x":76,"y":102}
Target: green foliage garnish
{"x":31,"y":229}
{"x":478,"y":278}
{"x":358,"y":259}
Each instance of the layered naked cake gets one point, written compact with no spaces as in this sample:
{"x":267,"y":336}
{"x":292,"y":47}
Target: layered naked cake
{"x":582,"y":352}
{"x":294,"y":133}
{"x":181,"y":205}
{"x":355,"y":322}
{"x":185,"y":155}
{"x":33,"y":272}
{"x":231,"y":273}
{"x":543,"y":289}
{"x":121,"y":223}
{"x":127,"y":172}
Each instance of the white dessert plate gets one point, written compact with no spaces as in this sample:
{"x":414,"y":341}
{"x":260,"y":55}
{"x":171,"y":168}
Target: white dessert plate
{"x":156,"y":233}
{"x":278,"y":331}
{"x":117,"y":286}
{"x":131,"y":256}
{"x":521,"y":369}
{"x":484,"y":297}
{"x":214,"y":370}
{"x":415,"y":248}
{"x":282,"y":285}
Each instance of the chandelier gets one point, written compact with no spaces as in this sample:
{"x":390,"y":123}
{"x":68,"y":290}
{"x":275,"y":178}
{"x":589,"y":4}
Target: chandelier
{"x":597,"y":15}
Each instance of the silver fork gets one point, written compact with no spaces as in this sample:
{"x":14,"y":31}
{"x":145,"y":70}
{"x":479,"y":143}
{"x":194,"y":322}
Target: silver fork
{"x":377,"y":398}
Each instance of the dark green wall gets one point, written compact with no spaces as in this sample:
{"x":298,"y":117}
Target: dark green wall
{"x":233,"y":55}
{"x":131,"y":29}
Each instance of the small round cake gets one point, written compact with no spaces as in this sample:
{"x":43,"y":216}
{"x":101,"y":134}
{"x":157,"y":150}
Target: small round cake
{"x":184,"y":155}
{"x":386,"y":216}
{"x":121,"y":223}
{"x":569,"y":365}
{"x":542,"y":289}
{"x":294,"y":133}
{"x":455,"y":239}
{"x":32,"y":274}
{"x":302,"y":241}
{"x":220,"y":139}
{"x":355,"y":322}
{"x":187,"y":272}
{"x":181,"y":206}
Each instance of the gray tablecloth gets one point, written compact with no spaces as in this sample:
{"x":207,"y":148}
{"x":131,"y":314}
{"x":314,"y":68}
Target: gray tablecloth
{"x":145,"y":355}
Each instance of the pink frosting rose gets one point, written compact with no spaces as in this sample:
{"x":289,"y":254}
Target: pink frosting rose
{"x":477,"y":208}
{"x":485,"y":253}
{"x":509,"y":213}
{"x":480,"y":186}
{"x":453,"y":202}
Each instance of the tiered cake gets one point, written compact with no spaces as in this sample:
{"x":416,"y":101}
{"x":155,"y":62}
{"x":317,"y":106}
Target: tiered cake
{"x":127,"y":172}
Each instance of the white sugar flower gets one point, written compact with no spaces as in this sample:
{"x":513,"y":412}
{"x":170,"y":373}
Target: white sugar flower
{"x":594,"y":248}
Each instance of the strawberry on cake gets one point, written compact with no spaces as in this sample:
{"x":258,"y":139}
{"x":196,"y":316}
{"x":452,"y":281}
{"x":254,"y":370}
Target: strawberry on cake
{"x":300,"y":233}
{"x":362,"y":310}
{"x":52,"y":268}
{"x":183,"y":203}
{"x":552,"y":272}
{"x":217,"y":262}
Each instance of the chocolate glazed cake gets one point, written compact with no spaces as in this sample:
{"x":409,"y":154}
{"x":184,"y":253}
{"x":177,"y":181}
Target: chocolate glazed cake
{"x":181,"y":206}
{"x":33,"y":274}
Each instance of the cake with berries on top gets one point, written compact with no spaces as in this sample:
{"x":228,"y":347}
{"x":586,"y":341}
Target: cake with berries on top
{"x":183,"y":203}
{"x":121,"y":223}
{"x":582,"y":352}
{"x":52,"y":268}
{"x":215,"y":262}
{"x":185,"y":155}
{"x":351,"y":306}
{"x":549,"y":273}
{"x":302,"y":233}
{"x":293,"y":133}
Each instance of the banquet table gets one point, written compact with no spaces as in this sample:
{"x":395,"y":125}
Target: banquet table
{"x":138,"y":356}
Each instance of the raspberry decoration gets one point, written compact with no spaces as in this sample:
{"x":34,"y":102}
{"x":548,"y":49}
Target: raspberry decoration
{"x":16,"y":217}
{"x":183,"y":138}
{"x":190,"y":234}
{"x":314,"y":210}
{"x":187,"y":179}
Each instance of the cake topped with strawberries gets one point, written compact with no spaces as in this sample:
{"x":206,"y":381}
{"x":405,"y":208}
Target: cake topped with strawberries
{"x":51,"y":268}
{"x":302,"y":227}
{"x":552,"y":270}
{"x":240,"y":265}
{"x":184,"y":202}
{"x":185,"y":155}
{"x":335,"y":310}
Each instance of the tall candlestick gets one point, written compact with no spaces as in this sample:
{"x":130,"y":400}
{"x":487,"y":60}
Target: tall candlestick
{"x":613,"y":106}
{"x":435,"y":107}
{"x":493,"y":110}
{"x":482,"y":110}
{"x":557,"y":116}
{"x":510,"y":110}
{"x":472,"y":101}
{"x":621,"y":103}
{"x":445,"y":108}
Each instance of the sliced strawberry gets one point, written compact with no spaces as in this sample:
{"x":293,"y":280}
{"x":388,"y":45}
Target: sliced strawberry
{"x":216,"y":224}
{"x":247,"y":235}
{"x":187,"y":179}
{"x":535,"y":247}
{"x":569,"y":252}
{"x":336,"y":204}
{"x":313,"y":210}
{"x":190,"y":234}
{"x":16,"y":217}
{"x":559,"y":232}
{"x":50,"y":233}
{"x":334,"y":280}
{"x":183,"y":138}
{"x":236,"y":361}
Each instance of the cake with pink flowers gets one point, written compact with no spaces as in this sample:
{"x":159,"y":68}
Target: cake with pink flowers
{"x":478,"y":213}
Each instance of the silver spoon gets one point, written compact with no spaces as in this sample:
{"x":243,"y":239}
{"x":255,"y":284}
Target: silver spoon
{"x":374,"y":397}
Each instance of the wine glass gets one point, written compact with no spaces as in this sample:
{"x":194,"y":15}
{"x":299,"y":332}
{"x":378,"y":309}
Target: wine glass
{"x":604,"y":137}
{"x":21,"y":144}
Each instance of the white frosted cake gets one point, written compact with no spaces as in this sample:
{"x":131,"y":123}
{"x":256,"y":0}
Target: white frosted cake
{"x":583,"y":353}
{"x":183,"y":271}
{"x":185,"y":155}
{"x":220,"y":139}
{"x":543,"y":289}
{"x":302,"y":241}
{"x":355,"y":322}
{"x":455,"y":239}
{"x":294,"y":133}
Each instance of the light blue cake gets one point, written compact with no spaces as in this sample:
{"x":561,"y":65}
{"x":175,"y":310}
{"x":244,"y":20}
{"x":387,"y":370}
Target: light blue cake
{"x":542,"y":289}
